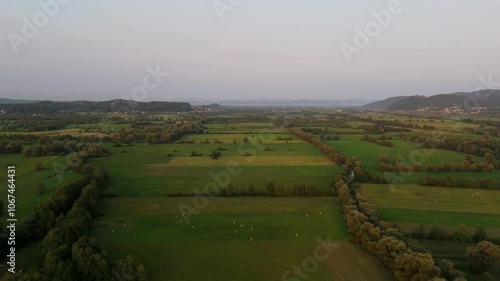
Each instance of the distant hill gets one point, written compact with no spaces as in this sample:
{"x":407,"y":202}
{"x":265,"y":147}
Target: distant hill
{"x":383,"y":104}
{"x":96,"y":106}
{"x":438,"y":101}
{"x":12,"y":101}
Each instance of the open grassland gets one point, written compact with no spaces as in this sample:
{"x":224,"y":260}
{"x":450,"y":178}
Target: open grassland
{"x":231,"y":239}
{"x":27,"y":179}
{"x":429,"y":205}
{"x":145,"y":170}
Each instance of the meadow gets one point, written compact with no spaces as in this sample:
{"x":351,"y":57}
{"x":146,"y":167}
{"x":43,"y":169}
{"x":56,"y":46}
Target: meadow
{"x":415,"y":204}
{"x":147,"y":170}
{"x":256,"y":238}
{"x":27,"y":178}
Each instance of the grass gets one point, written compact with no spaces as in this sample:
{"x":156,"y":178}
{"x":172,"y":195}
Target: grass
{"x":27,"y":179}
{"x":145,"y":170}
{"x":369,"y":153}
{"x":168,"y":246}
{"x":446,"y":206}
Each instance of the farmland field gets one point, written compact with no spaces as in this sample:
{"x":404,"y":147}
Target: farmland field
{"x":232,"y":238}
{"x":145,"y":170}
{"x":443,"y":206}
{"x":27,"y":178}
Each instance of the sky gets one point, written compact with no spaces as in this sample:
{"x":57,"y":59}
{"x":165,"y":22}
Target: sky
{"x":245,"y":49}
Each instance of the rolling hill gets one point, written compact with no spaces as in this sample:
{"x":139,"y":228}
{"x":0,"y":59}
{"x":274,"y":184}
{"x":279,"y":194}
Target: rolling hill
{"x":486,"y":98}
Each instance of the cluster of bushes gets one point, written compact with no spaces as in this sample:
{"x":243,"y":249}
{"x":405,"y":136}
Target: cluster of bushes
{"x":275,"y":190}
{"x":380,"y":141}
{"x":448,"y":181}
{"x":9,"y":146}
{"x":386,"y":165}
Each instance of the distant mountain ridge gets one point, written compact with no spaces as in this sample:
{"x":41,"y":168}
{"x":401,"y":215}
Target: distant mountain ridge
{"x":11,"y":101}
{"x":118,"y":105}
{"x":485,"y":98}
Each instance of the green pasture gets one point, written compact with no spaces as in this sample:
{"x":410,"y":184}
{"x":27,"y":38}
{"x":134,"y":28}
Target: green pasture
{"x":146,"y":170}
{"x":429,"y":205}
{"x":369,"y":153}
{"x":27,"y":179}
{"x":230,"y":239}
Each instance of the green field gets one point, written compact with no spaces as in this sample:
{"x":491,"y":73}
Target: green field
{"x":369,"y":153}
{"x":145,"y":170}
{"x":231,"y":239}
{"x":443,"y":206}
{"x":27,"y":179}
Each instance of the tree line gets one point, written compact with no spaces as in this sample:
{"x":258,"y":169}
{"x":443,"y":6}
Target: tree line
{"x":447,"y":181}
{"x":62,"y":224}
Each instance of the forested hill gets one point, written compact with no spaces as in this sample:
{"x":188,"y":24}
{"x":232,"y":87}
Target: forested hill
{"x":96,"y":106}
{"x":487,"y":98}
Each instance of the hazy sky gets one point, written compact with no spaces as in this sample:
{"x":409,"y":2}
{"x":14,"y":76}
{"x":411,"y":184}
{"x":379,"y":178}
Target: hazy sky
{"x":283,"y":49}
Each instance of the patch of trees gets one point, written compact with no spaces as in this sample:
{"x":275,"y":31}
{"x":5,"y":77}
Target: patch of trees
{"x":459,"y":235}
{"x":167,"y":132}
{"x":479,"y":147}
{"x":88,"y":149}
{"x":465,"y":166}
{"x":215,"y":154}
{"x":484,"y":259}
{"x":396,"y":165}
{"x":273,"y":190}
{"x":9,"y":146}
{"x":448,"y":181}
{"x":381,"y":141}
